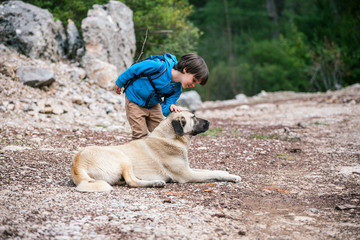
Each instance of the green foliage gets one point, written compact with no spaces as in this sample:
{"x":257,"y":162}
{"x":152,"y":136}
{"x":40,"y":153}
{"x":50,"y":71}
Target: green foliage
{"x":332,"y":28}
{"x":266,"y":65}
{"x":212,"y":132}
{"x":261,"y":136}
{"x":327,"y":69}
{"x":76,"y":10}
{"x":320,"y":124}
{"x":284,"y":156}
{"x":220,"y":86}
{"x":312,"y":45}
{"x":274,"y":68}
{"x":169,"y":29}
{"x":101,"y":126}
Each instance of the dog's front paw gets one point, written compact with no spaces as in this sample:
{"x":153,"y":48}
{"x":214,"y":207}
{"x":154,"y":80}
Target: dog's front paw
{"x":235,"y":178}
{"x":158,"y":183}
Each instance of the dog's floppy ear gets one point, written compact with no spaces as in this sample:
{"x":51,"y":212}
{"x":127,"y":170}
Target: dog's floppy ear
{"x":178,"y":125}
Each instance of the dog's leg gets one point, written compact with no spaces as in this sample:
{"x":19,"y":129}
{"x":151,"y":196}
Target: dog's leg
{"x":206,"y":170}
{"x":119,"y":183}
{"x":85,"y":183}
{"x":133,"y":181}
{"x":202,"y":175}
{"x":94,"y":186}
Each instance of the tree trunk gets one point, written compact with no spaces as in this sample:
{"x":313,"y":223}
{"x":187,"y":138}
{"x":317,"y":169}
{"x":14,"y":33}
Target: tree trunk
{"x":231,"y":58}
{"x":271,"y":8}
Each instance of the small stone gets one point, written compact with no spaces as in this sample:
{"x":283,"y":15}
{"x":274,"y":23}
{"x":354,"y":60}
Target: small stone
{"x":345,"y":207}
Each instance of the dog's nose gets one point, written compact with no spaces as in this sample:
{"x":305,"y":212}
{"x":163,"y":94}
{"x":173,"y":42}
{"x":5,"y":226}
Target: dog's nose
{"x":207,"y":124}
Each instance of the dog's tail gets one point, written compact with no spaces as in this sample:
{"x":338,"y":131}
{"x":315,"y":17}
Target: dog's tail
{"x":84,"y":182}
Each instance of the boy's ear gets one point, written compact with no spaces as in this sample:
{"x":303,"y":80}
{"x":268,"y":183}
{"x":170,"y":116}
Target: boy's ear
{"x":178,"y":125}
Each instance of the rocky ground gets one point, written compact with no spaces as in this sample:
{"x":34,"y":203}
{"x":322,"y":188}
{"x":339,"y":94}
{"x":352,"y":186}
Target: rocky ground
{"x":297,"y":153}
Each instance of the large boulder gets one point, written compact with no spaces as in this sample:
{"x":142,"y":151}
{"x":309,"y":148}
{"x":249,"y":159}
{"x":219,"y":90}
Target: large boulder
{"x":102,"y":73}
{"x":35,"y":77}
{"x":109,"y":37}
{"x":190,"y":99}
{"x":32,"y":31}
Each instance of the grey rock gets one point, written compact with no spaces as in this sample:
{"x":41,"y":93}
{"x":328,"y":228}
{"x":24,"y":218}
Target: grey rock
{"x":101,"y":72}
{"x":109,"y":109}
{"x":31,"y":31}
{"x":78,"y":100}
{"x":109,"y":37}
{"x":77,"y":73}
{"x":313,"y":210}
{"x":345,"y":207}
{"x":301,"y":125}
{"x":241,"y":98}
{"x":190,"y":99}
{"x":35,"y":77}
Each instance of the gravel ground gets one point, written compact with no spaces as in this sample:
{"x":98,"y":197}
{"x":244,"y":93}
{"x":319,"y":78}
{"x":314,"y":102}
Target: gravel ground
{"x":298,"y":156}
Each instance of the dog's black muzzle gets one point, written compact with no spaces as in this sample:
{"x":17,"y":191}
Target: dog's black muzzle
{"x":200,"y":126}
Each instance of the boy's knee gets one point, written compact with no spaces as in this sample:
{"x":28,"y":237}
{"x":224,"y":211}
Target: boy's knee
{"x":136,"y":136}
{"x":140,"y":132}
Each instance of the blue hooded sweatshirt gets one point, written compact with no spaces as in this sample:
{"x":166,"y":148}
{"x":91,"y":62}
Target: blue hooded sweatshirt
{"x":141,"y":92}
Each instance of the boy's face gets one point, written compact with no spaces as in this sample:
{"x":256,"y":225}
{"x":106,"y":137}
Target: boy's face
{"x":188,"y":80}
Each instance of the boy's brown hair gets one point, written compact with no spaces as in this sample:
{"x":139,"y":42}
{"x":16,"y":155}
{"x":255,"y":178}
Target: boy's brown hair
{"x":193,"y":64}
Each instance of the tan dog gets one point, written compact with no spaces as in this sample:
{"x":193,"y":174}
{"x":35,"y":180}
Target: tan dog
{"x":150,"y":162}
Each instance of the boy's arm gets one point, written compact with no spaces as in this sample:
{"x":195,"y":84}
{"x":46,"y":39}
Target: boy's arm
{"x":117,"y":89}
{"x":168,"y":101}
{"x":174,"y":108}
{"x":144,"y":67}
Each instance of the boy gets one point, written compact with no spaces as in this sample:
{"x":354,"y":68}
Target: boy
{"x":154,"y":85}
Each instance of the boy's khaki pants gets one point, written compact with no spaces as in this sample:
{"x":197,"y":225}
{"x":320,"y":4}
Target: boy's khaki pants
{"x":142,"y":120}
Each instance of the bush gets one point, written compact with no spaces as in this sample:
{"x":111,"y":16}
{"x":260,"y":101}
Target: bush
{"x":327,"y":69}
{"x":169,"y":29}
{"x":275,"y":68}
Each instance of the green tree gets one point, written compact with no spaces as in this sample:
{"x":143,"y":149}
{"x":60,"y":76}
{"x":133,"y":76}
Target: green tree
{"x":285,"y":45}
{"x":169,"y":29}
{"x":331,"y":26}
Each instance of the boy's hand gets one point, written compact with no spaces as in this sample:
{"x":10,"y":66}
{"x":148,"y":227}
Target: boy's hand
{"x":175,"y":108}
{"x":117,"y":89}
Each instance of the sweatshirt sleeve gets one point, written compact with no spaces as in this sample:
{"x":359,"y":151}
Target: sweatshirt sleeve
{"x":171,"y":99}
{"x":144,"y":67}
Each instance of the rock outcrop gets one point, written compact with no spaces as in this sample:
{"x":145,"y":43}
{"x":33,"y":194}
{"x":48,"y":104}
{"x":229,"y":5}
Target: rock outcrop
{"x":109,"y":37}
{"x":190,"y":100}
{"x":35,"y":77}
{"x":106,"y":50}
{"x":31,"y":31}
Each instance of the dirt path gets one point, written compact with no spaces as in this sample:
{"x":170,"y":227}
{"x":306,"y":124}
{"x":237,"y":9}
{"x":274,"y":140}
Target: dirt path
{"x":299,"y":160}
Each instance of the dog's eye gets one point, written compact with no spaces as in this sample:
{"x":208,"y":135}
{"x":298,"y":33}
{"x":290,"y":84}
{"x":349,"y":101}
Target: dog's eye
{"x":194,"y":119}
{"x":183,"y":121}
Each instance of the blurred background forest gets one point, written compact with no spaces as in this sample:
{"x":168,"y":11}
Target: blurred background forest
{"x":249,"y":45}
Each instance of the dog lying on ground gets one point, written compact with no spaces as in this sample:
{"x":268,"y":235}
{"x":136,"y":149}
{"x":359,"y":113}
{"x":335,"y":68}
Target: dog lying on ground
{"x":149,"y":162}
